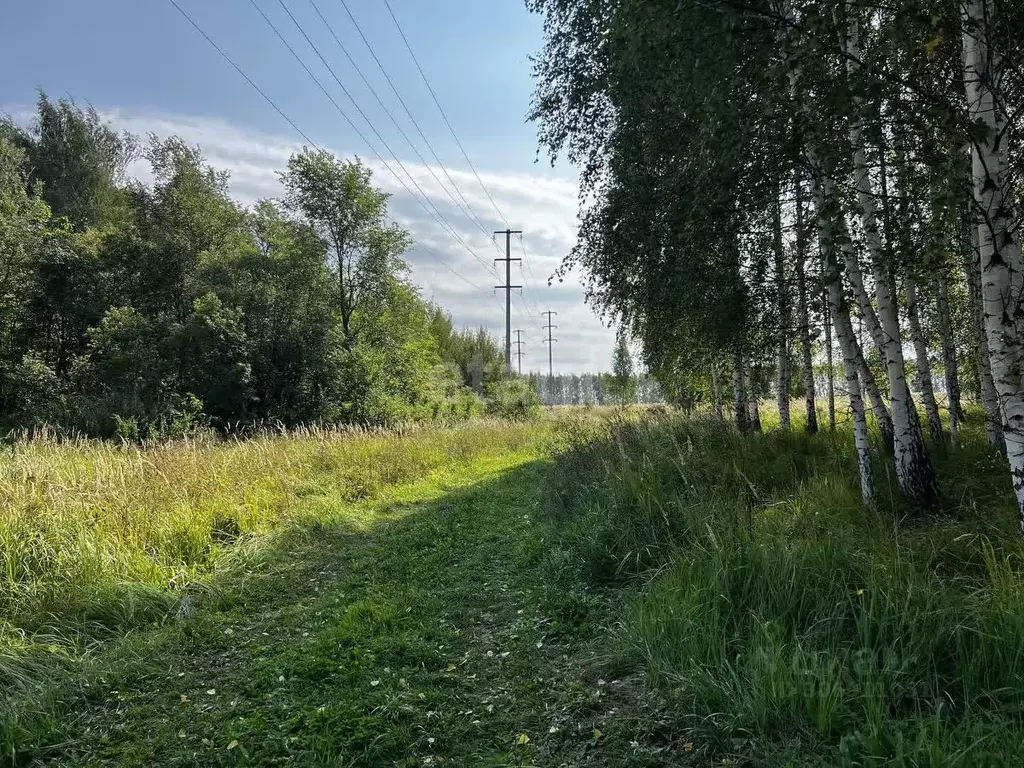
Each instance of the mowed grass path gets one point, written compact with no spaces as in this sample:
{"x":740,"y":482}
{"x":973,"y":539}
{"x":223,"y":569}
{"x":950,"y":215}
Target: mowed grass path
{"x":422,"y":629}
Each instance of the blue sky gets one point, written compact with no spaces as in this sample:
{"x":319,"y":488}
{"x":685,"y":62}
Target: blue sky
{"x":144,"y":67}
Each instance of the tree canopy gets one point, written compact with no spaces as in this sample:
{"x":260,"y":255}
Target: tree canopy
{"x":146,"y":310}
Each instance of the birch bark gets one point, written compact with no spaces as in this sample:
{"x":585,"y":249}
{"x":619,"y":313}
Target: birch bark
{"x":803,"y":315}
{"x":716,"y":393}
{"x":949,"y":361}
{"x":739,"y":393}
{"x":989,"y":397}
{"x":914,"y":470}
{"x":782,"y":306}
{"x":924,"y":366}
{"x":828,"y":216}
{"x":999,"y":252}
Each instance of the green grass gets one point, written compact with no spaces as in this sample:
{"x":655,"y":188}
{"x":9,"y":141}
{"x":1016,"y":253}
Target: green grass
{"x":791,"y":624}
{"x":411,"y":627}
{"x":592,"y":589}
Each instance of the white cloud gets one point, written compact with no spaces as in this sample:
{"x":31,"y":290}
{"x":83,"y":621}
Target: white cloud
{"x":543,"y":206}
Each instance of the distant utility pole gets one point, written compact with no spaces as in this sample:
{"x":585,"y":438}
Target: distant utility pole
{"x":508,"y":293}
{"x":551,"y":343}
{"x":519,"y":348}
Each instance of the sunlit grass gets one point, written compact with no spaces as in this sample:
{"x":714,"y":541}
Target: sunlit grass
{"x":97,"y":537}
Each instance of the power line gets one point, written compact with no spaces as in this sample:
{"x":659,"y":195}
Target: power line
{"x":292,"y":123}
{"x":508,"y":296}
{"x":519,"y":349}
{"x":529,"y":269}
{"x":239,"y":70}
{"x":469,"y":213}
{"x":437,"y":216}
{"x":409,"y":114}
{"x":551,"y":343}
{"x":447,"y":122}
{"x":444,"y":116}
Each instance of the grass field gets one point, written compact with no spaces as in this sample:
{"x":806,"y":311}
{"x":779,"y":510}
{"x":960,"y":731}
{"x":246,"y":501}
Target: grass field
{"x":592,"y":589}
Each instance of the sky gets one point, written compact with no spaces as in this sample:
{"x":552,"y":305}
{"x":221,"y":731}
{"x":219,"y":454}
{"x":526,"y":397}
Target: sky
{"x":148,"y":70}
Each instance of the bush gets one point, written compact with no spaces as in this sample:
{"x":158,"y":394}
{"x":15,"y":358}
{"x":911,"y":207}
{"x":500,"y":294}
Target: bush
{"x":513,"y":399}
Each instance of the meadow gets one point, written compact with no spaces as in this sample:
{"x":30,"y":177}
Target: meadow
{"x":600,"y":587}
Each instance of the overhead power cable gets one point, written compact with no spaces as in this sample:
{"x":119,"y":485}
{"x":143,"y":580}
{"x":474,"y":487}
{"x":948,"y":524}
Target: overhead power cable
{"x":440,"y":109}
{"x":436,"y":215}
{"x":373,"y":91}
{"x":411,"y":117}
{"x":444,"y":116}
{"x":294,"y":126}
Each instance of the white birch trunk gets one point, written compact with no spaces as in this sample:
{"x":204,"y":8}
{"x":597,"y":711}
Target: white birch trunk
{"x":823,"y":193}
{"x":824,"y":198}
{"x":869,"y":386}
{"x":860,"y":422}
{"x":782,"y":305}
{"x":989,"y":397}
{"x":1000,"y":255}
{"x":821,"y":190}
{"x":830,"y":390}
{"x":913,"y":467}
{"x":739,"y":393}
{"x":755,"y":413}
{"x":924,"y":366}
{"x":716,"y":394}
{"x":949,"y":360}
{"x":803,"y":315}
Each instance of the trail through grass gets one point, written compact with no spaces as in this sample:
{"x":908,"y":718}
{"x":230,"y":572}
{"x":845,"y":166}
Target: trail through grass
{"x":415,"y":628}
{"x":579,"y":592}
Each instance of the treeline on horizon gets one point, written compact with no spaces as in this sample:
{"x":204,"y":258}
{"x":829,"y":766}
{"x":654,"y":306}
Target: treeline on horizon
{"x":145,"y":310}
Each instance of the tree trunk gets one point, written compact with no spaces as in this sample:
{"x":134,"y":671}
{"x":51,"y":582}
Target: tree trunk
{"x":924,"y":366}
{"x":823,"y":194}
{"x":860,"y":422}
{"x":755,"y":413}
{"x":914,"y":470}
{"x":987,"y":387}
{"x":999,"y":253}
{"x":806,"y":352}
{"x":782,"y":305}
{"x":870,"y":387}
{"x":830,"y":384}
{"x":847,"y":340}
{"x":949,"y":357}
{"x":739,"y":393}
{"x":716,"y":393}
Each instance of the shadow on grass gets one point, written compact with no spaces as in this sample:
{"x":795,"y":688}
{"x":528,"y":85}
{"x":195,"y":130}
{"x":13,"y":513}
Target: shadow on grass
{"x":433,"y":631}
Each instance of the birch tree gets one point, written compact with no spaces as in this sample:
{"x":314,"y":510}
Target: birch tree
{"x":1001,"y":268}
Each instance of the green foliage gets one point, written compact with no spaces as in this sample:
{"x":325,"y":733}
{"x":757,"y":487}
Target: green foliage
{"x":479,"y":359}
{"x":513,"y":399}
{"x":141,"y":311}
{"x":76,"y":159}
{"x":623,"y":385}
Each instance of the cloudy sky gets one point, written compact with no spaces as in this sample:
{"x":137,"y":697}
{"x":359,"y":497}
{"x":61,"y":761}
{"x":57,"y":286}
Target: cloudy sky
{"x":148,"y":70}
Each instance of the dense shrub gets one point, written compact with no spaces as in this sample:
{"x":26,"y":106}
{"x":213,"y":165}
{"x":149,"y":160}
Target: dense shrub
{"x":513,"y":399}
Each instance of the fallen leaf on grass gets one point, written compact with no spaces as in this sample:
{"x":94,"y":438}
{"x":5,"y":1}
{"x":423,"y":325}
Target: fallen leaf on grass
{"x":523,"y":739}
